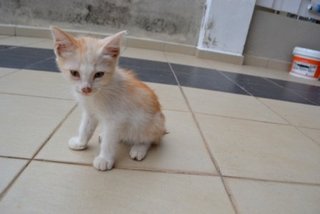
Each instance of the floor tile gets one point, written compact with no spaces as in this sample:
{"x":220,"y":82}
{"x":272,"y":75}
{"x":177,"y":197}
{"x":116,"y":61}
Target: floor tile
{"x":118,"y":191}
{"x":144,"y":54}
{"x":261,"y":150}
{"x":170,"y":96}
{"x":6,"y":71}
{"x":44,"y":43}
{"x":26,"y":122}
{"x":309,"y":92}
{"x":9,"y":169}
{"x":4,"y":37}
{"x":254,"y":197}
{"x":149,"y":71}
{"x":36,"y":83}
{"x":22,"y":57}
{"x":183,"y":59}
{"x":261,"y":87}
{"x":297,"y":114}
{"x":48,"y":64}
{"x":230,"y":105}
{"x":259,"y":72}
{"x":181,"y":150}
{"x":314,"y":134}
{"x":204,"y":79}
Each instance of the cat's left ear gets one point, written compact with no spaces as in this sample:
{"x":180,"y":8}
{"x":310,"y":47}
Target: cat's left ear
{"x":111,"y":45}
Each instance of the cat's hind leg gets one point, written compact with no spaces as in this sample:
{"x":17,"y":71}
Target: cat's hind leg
{"x":139,"y":151}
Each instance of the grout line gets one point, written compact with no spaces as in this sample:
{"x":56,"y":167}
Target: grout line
{"x":13,"y":157}
{"x":36,"y":96}
{"x":271,"y":180}
{"x":213,"y":160}
{"x":291,"y":91}
{"x":6,"y":189}
{"x":166,"y":171}
{"x":276,"y":113}
{"x":237,"y":84}
{"x":55,"y":130}
{"x":245,"y":119}
{"x":260,"y":101}
{"x":37,"y":62}
{"x":10,"y":73}
{"x":257,"y":98}
{"x":307,"y":136}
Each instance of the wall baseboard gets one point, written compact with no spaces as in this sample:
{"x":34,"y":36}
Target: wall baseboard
{"x":266,"y":62}
{"x":40,"y":32}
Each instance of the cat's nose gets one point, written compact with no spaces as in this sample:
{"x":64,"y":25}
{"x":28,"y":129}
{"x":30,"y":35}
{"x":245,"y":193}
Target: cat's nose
{"x":86,"y":90}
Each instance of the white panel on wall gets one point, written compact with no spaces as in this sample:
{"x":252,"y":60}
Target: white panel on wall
{"x":290,"y":6}
{"x":226,"y":26}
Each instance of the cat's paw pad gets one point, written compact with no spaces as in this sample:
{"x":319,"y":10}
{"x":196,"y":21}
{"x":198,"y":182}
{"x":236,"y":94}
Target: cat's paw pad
{"x":139,"y":151}
{"x":74,"y":144}
{"x":102,"y":164}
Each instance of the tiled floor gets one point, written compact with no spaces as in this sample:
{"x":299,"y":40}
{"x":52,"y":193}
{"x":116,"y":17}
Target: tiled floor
{"x":242,"y":140}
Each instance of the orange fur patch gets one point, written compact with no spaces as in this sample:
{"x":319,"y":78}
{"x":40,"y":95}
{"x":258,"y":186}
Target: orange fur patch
{"x":137,"y":86}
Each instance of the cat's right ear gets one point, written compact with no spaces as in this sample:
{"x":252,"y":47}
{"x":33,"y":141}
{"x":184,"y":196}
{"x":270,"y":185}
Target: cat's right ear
{"x":64,"y":43}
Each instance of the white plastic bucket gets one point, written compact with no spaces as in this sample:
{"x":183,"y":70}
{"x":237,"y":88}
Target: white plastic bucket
{"x":305,"y":63}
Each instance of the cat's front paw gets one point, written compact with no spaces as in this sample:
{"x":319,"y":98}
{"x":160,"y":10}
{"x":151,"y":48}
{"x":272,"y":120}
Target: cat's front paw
{"x":103,"y":164}
{"x":75,"y":144}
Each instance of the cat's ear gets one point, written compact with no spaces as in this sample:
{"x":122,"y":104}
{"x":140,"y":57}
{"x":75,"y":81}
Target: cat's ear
{"x":64,"y":43}
{"x":111,"y":45}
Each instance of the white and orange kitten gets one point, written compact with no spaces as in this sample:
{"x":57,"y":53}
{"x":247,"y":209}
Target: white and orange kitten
{"x":127,"y":109}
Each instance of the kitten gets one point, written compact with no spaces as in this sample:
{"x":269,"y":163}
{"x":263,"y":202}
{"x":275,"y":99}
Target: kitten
{"x":127,"y":109}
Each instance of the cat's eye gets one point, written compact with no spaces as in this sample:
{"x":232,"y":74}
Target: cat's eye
{"x":98,"y":75}
{"x":74,"y":73}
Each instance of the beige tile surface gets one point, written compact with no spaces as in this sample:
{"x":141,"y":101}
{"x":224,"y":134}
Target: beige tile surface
{"x":181,"y":150}
{"x":9,"y":168}
{"x":44,"y":43}
{"x":20,"y":41}
{"x":186,"y":60}
{"x":170,"y":96}
{"x":297,"y":114}
{"x":6,"y":71}
{"x":3,"y":37}
{"x":58,"y":188}
{"x":36,"y":83}
{"x":253,"y":197}
{"x":230,"y":105}
{"x":57,"y":147}
{"x":26,"y":122}
{"x":314,"y":134}
{"x":261,"y":150}
{"x":144,"y":54}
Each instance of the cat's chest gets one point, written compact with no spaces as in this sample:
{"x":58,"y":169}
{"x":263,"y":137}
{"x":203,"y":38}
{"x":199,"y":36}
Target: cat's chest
{"x":102,"y":108}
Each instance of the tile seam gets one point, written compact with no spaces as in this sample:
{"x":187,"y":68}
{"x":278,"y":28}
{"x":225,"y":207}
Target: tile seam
{"x":35,"y":96}
{"x":213,"y":160}
{"x":8,"y":187}
{"x":146,"y":169}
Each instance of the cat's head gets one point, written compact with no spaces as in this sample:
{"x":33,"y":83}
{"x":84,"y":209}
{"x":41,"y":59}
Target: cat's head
{"x":88,"y":63}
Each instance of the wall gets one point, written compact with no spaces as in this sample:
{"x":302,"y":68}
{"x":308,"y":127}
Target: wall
{"x":167,"y":20}
{"x":273,"y":36}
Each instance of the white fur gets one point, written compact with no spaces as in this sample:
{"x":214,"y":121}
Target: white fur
{"x":121,"y":118}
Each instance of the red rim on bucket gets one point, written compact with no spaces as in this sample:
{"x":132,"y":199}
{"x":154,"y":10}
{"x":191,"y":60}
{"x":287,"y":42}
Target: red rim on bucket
{"x":305,"y":63}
